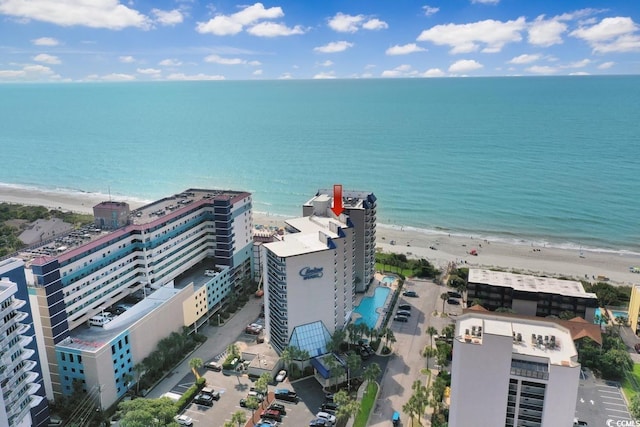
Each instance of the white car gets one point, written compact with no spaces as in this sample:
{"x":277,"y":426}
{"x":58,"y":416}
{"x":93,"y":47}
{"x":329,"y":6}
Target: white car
{"x":281,"y":376}
{"x":183,"y":420}
{"x":327,"y":416}
{"x":210,"y":273}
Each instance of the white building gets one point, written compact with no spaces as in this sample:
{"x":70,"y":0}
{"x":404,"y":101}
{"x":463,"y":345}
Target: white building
{"x":309,"y":282}
{"x":511,"y":371}
{"x":18,"y":382}
{"x":360,"y":207}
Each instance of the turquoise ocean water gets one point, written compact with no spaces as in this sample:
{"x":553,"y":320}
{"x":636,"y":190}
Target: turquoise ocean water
{"x":549,"y":159}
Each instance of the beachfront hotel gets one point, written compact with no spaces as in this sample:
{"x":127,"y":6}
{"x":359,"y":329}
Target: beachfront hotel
{"x":171,"y":264}
{"x":634,"y":308}
{"x":360,"y":207}
{"x":512,"y":371}
{"x":530,"y":295}
{"x":309,"y":280}
{"x":19,"y":379}
{"x":23,"y":401}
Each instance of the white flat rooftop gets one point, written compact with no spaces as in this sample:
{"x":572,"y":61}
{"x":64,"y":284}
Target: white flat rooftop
{"x":522,"y":282}
{"x":308,"y":239}
{"x":560,"y":353}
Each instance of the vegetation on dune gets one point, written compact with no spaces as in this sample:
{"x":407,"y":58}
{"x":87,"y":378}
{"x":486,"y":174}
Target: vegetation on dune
{"x":400,"y":264}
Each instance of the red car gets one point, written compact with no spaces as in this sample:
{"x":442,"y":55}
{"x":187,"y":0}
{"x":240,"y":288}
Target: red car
{"x":272,"y":414}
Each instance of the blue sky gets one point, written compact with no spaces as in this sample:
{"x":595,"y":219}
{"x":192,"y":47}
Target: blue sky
{"x":112,"y":40}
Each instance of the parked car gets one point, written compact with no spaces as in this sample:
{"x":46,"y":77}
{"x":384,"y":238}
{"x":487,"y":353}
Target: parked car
{"x":328,"y":397}
{"x":278,"y":407}
{"x":271,"y":414}
{"x":404,"y":307}
{"x":329,"y":407}
{"x":267,"y":422}
{"x":404,"y":313}
{"x":203,"y":399}
{"x":454,"y":294}
{"x":327,"y":416}
{"x":452,"y":301}
{"x":213,"y":366}
{"x":256,"y":394}
{"x":319,"y":422}
{"x":411,"y":294}
{"x":281,"y":376}
{"x":183,"y":420}
{"x":285,"y":394}
{"x":401,"y":319}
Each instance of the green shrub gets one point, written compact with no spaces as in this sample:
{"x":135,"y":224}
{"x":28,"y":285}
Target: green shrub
{"x":188,"y":396}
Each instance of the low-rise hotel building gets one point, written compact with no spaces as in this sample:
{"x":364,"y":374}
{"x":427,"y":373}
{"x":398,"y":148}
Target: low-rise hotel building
{"x":309,"y":280}
{"x":185,"y":253}
{"x":530,"y":295}
{"x":361,"y":208}
{"x":512,"y":371}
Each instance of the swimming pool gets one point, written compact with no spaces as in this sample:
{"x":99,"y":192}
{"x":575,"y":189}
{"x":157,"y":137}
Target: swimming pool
{"x":369,"y":305}
{"x":615,"y":313}
{"x":388,"y":279}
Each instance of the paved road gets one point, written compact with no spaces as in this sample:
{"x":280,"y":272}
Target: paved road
{"x":600,"y":401}
{"x":404,"y":366}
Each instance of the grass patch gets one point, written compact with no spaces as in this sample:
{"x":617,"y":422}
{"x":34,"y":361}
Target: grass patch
{"x":366,"y":405}
{"x":631,"y":383}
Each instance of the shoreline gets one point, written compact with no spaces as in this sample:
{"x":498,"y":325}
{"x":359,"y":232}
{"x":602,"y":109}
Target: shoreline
{"x":438,"y":248}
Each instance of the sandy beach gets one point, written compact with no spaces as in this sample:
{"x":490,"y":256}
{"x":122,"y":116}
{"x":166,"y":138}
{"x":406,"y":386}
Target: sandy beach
{"x":440,"y":249}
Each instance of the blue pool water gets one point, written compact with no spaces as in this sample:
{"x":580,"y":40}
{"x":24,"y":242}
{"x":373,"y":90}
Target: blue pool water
{"x":369,"y":305}
{"x":616,"y":313}
{"x":388,"y":279}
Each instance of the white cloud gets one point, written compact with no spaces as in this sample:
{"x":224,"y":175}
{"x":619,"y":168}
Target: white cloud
{"x":170,"y":62}
{"x":257,"y":73}
{"x":11,"y":74}
{"x":333,"y":47}
{"x":110,"y":14}
{"x":327,"y":63}
{"x":226,"y":25}
{"x":325,"y":75}
{"x":224,"y":61}
{"x":433,"y":72}
{"x":168,"y":17}
{"x":113,"y":77}
{"x":617,"y":34}
{"x":39,"y":69}
{"x":404,"y":70}
{"x":428,"y":10}
{"x":464,"y":66}
{"x":191,"y":77}
{"x":375,"y":24}
{"x":578,"y":64}
{"x":273,"y":29}
{"x":254,"y":63}
{"x":464,"y":38}
{"x":405,"y":49}
{"x":546,"y":32}
{"x":148,"y":71}
{"x":344,"y":23}
{"x":285,"y":76}
{"x":45,"y":41}
{"x":542,"y":69}
{"x":127,"y":59}
{"x":525,"y":59}
{"x":486,"y":1}
{"x":47,"y":59}
{"x":30,"y":72}
{"x":580,"y":73}
{"x":606,"y":65}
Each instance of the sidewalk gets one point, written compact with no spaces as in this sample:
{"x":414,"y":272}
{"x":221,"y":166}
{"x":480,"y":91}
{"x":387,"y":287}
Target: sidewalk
{"x":218,"y":338}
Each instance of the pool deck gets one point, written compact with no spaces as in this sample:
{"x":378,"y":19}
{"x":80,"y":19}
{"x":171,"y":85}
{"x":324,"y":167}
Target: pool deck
{"x":377,"y":282}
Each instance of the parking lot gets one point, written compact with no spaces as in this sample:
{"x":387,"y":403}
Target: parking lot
{"x":600,"y":402}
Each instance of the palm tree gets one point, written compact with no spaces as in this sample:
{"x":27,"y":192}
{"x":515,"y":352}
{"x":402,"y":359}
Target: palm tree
{"x":195,"y":364}
{"x":287,"y":356}
{"x":337,"y":339}
{"x":140,"y":369}
{"x":444,"y":297}
{"x":351,"y":333}
{"x":253,"y":404}
{"x":372,"y":372}
{"x":239,"y":417}
{"x":389,"y":337}
{"x":432,"y":331}
{"x":353,"y":364}
{"x":262,"y":385}
{"x":428,"y":353}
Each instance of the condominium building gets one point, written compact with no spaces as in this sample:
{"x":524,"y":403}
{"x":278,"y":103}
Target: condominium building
{"x":309,"y":281}
{"x":530,"y":295}
{"x":185,"y":253}
{"x":360,"y":208}
{"x":19,"y":382}
{"x":12,"y":270}
{"x":512,"y":371}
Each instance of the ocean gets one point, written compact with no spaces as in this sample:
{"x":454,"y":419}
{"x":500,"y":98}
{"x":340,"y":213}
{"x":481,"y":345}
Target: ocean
{"x":550,"y":160}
